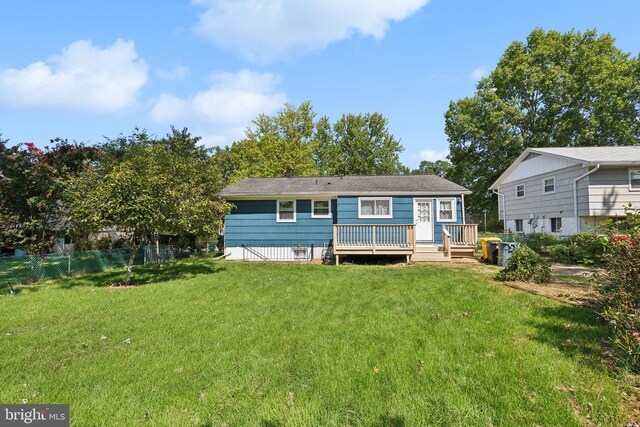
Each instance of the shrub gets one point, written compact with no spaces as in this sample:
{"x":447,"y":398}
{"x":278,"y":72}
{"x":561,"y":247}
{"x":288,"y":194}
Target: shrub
{"x":541,"y":242}
{"x":85,"y":245}
{"x":620,"y":289}
{"x":103,"y":243}
{"x":589,"y":248}
{"x":118,"y":243}
{"x":527,"y":266}
{"x":563,"y":252}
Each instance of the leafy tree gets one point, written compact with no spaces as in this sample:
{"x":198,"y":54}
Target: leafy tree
{"x":31,"y":189}
{"x":165,"y":185}
{"x":293,"y":143}
{"x":439,"y":167}
{"x":571,"y":89}
{"x":277,"y":145}
{"x":358,"y":145}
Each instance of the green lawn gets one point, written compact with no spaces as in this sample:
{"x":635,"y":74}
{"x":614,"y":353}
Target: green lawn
{"x":207,"y":343}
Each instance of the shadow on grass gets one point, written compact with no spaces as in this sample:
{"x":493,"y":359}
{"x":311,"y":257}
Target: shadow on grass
{"x":576,"y":331}
{"x":143,"y":275}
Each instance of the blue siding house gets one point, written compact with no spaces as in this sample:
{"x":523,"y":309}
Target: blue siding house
{"x":417,"y":216}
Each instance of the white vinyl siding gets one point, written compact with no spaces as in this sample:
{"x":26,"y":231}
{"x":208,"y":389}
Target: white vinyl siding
{"x":541,"y":205}
{"x":286,"y":211}
{"x":375,"y":207}
{"x":610,"y":191}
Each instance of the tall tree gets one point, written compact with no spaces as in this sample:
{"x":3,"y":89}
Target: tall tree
{"x":571,"y":89}
{"x":293,"y":143}
{"x":31,"y":190}
{"x":277,"y":145}
{"x":439,"y":167}
{"x":359,"y":145}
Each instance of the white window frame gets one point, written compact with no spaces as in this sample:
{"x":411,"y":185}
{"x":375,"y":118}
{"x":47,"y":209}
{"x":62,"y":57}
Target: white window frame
{"x":454,"y":210}
{"x":544,"y":187}
{"x":313,"y":209}
{"x":559,"y":229}
{"x":515,"y":225}
{"x":295,"y":210}
{"x":524,"y":189}
{"x":631,"y":188}
{"x":361,"y":199}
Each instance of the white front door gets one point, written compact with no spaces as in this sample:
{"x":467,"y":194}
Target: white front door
{"x":423,"y":219}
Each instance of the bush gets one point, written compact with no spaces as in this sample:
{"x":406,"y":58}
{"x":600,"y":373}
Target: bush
{"x":85,"y":245}
{"x":103,"y":243}
{"x":541,"y":242}
{"x":118,"y":243}
{"x":527,"y":266}
{"x":620,"y":289}
{"x":589,"y":248}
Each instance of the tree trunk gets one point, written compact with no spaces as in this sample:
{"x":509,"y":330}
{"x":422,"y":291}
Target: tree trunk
{"x":132,"y":257}
{"x":158,"y":250}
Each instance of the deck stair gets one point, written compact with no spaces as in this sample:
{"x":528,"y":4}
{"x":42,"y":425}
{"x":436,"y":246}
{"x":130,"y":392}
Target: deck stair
{"x":430,"y":254}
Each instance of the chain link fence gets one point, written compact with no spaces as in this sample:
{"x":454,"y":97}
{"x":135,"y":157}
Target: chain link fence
{"x":34,"y":268}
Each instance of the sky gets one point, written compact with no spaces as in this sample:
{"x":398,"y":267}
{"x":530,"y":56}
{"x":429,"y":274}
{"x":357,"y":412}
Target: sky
{"x":94,"y":69}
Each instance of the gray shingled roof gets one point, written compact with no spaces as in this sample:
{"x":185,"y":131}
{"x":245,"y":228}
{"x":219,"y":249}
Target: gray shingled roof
{"x":346,"y":185}
{"x":602,"y":155}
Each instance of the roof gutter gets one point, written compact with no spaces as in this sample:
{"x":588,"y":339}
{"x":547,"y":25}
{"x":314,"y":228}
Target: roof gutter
{"x":504,"y":209}
{"x":575,"y":194}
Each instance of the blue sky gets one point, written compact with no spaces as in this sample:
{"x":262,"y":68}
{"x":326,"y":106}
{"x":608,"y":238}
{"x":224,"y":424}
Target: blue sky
{"x":85,"y":70}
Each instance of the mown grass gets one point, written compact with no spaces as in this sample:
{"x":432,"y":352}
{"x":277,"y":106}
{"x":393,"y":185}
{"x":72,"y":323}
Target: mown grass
{"x":207,"y":343}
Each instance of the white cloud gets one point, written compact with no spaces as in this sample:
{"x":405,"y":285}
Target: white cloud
{"x":178,"y":73}
{"x":479,"y":73}
{"x":269,"y":29}
{"x":433,"y":155}
{"x":83,"y":78}
{"x":222,"y":113}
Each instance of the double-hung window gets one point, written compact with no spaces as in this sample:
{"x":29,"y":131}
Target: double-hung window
{"x":286,"y":211}
{"x":321,"y":209}
{"x":446,"y":210}
{"x":634,"y":179}
{"x":520,"y":191}
{"x":375,"y":207}
{"x":549,"y":185}
{"x":556,"y":225}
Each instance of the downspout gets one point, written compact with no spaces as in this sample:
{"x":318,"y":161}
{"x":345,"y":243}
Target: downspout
{"x":575,"y":194}
{"x":463,"y":218}
{"x":504,"y":209}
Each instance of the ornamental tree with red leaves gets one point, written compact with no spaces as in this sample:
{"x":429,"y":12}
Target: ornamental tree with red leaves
{"x":32,"y":182}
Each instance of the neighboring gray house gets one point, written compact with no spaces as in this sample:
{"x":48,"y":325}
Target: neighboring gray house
{"x":567,"y":190}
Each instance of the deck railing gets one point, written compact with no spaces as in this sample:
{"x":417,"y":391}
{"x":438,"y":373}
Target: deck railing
{"x":388,"y":236}
{"x":462,"y":234}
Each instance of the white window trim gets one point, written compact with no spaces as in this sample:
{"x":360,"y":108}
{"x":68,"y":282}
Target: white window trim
{"x":360,"y":199}
{"x":454,"y":210}
{"x":559,"y":230}
{"x":313,"y":215}
{"x":295,"y":210}
{"x":524,"y":191}
{"x":629,"y":176}
{"x":554,"y":185}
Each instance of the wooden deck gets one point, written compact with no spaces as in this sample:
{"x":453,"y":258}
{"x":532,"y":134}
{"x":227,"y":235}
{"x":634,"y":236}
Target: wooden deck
{"x":459,"y":240}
